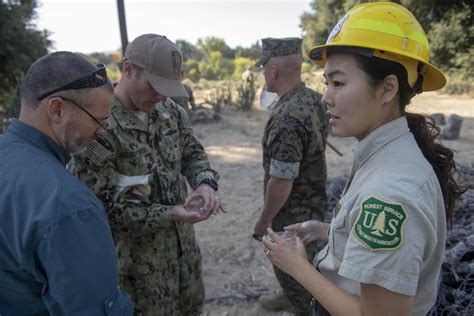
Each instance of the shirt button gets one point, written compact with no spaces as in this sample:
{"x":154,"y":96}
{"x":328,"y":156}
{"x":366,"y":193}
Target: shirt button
{"x":110,"y":304}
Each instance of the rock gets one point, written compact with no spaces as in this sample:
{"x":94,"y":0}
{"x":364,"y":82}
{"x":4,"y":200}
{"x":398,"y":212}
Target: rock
{"x":453,"y":128}
{"x":438,"y":118}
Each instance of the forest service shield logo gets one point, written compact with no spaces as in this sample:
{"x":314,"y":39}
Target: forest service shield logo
{"x":380,"y":224}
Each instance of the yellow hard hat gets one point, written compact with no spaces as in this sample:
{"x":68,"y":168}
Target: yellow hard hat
{"x":389,"y":31}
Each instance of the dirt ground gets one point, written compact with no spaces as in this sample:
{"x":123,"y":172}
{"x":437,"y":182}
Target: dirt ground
{"x":235,"y":269}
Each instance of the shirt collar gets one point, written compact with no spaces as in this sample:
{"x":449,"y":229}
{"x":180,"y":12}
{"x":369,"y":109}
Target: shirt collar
{"x":39,"y":140}
{"x":126,"y":119}
{"x":287,"y":96}
{"x":379,"y":138}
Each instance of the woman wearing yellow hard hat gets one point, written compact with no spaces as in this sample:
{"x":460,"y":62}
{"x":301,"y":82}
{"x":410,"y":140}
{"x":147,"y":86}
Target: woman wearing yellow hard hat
{"x":387,"y":236}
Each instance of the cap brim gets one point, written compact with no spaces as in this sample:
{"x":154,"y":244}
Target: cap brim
{"x":166,"y":87}
{"x":261,"y":61}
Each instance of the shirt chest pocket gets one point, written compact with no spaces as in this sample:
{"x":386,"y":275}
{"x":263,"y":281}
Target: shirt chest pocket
{"x":134,"y":162}
{"x":169,"y":145}
{"x":339,"y":235}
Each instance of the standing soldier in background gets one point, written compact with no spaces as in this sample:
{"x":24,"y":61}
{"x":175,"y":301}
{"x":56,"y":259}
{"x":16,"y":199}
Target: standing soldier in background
{"x":246,"y":90}
{"x":247,"y":77}
{"x":139,"y":172}
{"x":187,"y":102}
{"x":294,"y":161}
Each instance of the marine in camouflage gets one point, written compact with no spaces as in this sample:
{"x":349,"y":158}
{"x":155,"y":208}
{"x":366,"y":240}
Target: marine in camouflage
{"x":139,"y":171}
{"x":294,"y":145}
{"x":188,"y":102}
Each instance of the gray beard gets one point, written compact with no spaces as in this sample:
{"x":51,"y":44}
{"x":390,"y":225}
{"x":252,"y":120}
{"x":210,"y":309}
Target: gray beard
{"x":73,"y":141}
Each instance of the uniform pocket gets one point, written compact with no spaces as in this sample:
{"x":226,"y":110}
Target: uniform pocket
{"x":339,"y":234}
{"x":169,"y":145}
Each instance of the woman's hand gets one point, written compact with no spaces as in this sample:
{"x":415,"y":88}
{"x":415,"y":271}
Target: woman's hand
{"x":309,"y":231}
{"x":284,"y":254}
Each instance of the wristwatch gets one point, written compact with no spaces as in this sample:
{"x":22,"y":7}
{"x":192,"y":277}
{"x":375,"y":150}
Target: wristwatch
{"x":210,"y":182}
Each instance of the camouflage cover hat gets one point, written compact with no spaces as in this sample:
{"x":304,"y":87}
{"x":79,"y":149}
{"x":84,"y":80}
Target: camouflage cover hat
{"x":274,"y":47}
{"x":161,"y":61}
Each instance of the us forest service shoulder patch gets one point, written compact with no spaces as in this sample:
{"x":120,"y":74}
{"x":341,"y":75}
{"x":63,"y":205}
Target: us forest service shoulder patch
{"x":380,"y":224}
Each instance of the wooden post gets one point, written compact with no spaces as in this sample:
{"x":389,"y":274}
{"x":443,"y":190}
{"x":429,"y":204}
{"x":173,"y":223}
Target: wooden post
{"x":123,"y":24}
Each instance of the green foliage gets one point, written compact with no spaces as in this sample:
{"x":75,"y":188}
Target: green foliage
{"x":212,"y":44}
{"x":189,"y":51}
{"x":318,"y":23}
{"x":253,"y":52}
{"x":110,"y":62}
{"x":246,"y":95}
{"x":449,"y":26}
{"x":240,"y":65}
{"x":192,"y":70}
{"x":215,"y":67}
{"x":457,"y":84}
{"x":452,"y":42}
{"x":220,"y":95}
{"x":21,"y":46}
{"x":306,"y":67}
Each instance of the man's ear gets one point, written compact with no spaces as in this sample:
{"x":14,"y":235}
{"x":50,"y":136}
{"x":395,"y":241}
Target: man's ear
{"x":389,"y":88}
{"x":55,"y":110}
{"x":274,"y":71}
{"x":128,"y":69}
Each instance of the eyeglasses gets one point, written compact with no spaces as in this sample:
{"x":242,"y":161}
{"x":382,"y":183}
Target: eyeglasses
{"x":93,"y":80}
{"x":107,"y":121}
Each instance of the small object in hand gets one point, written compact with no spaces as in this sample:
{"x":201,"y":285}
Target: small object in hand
{"x":195,"y":204}
{"x":257,"y":237}
{"x":288,"y":236}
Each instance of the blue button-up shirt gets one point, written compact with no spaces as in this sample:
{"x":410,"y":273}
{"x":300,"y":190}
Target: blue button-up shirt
{"x":57,"y":255}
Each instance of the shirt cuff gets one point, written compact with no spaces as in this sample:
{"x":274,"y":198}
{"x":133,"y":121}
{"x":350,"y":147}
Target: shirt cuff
{"x":284,"y":170}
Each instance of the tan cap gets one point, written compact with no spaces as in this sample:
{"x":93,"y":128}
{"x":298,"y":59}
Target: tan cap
{"x":161,"y":60}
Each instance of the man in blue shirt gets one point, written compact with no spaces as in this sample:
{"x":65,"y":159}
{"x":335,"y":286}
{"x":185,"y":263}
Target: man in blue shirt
{"x":57,"y":255}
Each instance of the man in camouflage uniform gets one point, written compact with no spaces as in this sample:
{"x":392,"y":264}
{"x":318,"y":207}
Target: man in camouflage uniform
{"x":139,"y":171}
{"x":294,"y":162}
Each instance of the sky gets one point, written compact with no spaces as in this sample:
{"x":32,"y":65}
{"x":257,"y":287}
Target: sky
{"x":88,"y":26}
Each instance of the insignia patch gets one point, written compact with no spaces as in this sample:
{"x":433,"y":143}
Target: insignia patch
{"x":380,"y":224}
{"x":176,"y":57}
{"x":337,"y":28}
{"x":96,"y":152}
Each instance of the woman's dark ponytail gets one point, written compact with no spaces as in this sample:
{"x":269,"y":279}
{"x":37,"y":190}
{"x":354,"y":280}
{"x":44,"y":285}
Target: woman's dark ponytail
{"x":423,"y":128}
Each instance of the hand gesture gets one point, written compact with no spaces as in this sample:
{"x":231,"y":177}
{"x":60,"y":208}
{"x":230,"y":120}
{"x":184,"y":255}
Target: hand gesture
{"x":308,"y":231}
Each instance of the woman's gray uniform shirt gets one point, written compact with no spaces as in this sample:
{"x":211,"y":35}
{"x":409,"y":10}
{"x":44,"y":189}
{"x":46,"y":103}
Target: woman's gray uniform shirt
{"x":389,"y":228}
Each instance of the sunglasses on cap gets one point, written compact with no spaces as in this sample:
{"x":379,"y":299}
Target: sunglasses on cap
{"x":93,"y":80}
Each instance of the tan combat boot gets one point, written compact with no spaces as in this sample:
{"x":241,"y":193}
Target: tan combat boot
{"x":276,"y":302}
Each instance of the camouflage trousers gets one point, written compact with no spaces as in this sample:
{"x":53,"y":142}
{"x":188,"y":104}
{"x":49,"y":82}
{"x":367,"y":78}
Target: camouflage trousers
{"x":297,"y":295}
{"x":178,"y":290}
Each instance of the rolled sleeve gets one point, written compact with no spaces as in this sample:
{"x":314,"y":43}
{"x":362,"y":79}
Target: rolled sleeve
{"x":284,"y":170}
{"x":285,"y":146}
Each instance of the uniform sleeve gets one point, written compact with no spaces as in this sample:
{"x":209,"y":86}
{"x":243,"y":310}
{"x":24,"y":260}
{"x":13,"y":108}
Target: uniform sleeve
{"x":194,"y":160}
{"x":77,"y":256}
{"x":387,"y":243}
{"x":285,"y":145}
{"x":128,"y":211}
